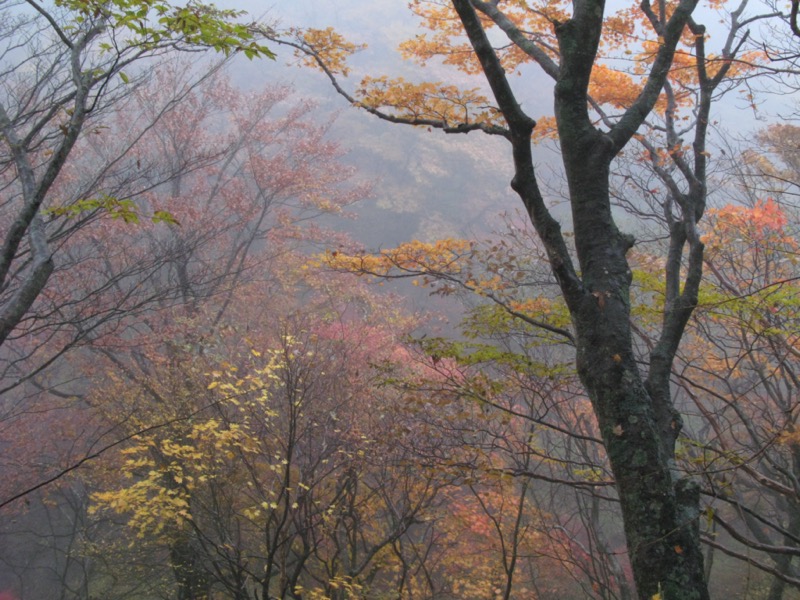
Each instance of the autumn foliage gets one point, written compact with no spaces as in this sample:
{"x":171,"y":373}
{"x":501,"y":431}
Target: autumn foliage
{"x":207,"y":391}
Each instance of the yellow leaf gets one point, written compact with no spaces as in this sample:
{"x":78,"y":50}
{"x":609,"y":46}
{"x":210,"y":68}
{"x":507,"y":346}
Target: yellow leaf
{"x":212,"y":385}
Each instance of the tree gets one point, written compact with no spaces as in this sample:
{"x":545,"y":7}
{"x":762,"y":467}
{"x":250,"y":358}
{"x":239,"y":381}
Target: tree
{"x":510,"y":370}
{"x":64,"y":66}
{"x":740,"y":369}
{"x":284,"y":476}
{"x":598,"y":112}
{"x":242,"y":195}
{"x":245,"y":175}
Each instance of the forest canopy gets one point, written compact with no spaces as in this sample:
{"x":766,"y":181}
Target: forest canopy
{"x":211,"y":388}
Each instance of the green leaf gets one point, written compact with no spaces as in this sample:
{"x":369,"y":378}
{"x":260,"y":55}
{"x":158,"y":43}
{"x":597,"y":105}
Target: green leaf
{"x":193,"y":23}
{"x":162,"y":216}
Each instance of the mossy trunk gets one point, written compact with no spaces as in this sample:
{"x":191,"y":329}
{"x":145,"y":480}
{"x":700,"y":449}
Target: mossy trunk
{"x":660,"y":511}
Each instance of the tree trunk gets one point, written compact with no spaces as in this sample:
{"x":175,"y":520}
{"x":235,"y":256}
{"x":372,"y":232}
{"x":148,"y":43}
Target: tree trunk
{"x":189,"y":573}
{"x":783,"y":562}
{"x":660,"y":514}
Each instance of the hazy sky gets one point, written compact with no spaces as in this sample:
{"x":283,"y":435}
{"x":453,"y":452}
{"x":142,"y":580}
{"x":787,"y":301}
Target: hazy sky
{"x":428,"y":184}
{"x":418,"y":171}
